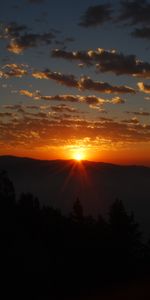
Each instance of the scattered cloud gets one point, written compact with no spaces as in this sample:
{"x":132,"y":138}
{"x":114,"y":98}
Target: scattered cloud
{"x":13,"y":70}
{"x":20,"y":106}
{"x":68,"y":80}
{"x":96,"y":15}
{"x":63,"y":108}
{"x":36,"y":129}
{"x":134,"y":12}
{"x":139,"y":113}
{"x":131,"y":121}
{"x":20,"y":38}
{"x":13,"y":30}
{"x":93,"y":101}
{"x":84,"y":83}
{"x":117,"y":100}
{"x":29,"y":40}
{"x":107,"y":61}
{"x":143,"y":33}
{"x":145,"y":88}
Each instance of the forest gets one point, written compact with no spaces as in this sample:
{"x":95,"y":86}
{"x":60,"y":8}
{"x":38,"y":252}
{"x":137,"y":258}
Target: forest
{"x":47,"y":253}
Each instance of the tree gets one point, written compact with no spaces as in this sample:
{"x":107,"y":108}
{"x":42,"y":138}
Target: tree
{"x":7,"y":192}
{"x":77,"y":213}
{"x":124,"y":231}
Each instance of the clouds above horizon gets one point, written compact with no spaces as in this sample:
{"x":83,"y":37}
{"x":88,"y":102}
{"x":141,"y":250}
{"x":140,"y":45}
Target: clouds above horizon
{"x":96,"y":15}
{"x":128,"y":13}
{"x":83,"y":83}
{"x":145,"y":88}
{"x":75,"y":73}
{"x":13,"y":70}
{"x":90,"y":99}
{"x":20,"y":38}
{"x":39,"y":129}
{"x":107,"y":61}
{"x":134,"y":12}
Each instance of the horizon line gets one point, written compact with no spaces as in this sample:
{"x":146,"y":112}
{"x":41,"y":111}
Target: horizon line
{"x":78,"y":162}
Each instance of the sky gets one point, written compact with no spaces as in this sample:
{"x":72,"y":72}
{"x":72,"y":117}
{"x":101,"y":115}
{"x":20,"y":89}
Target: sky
{"x":75,"y":80}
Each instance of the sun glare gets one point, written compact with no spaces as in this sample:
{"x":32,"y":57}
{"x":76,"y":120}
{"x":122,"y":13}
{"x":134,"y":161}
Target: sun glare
{"x":78,"y":156}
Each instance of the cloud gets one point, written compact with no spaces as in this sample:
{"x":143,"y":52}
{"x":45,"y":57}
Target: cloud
{"x":131,"y":121}
{"x":107,"y":61}
{"x":21,"y":39}
{"x":84,"y":83}
{"x":134,"y":12}
{"x":68,"y":80}
{"x":117,"y":100}
{"x":87,"y":83}
{"x":63,"y":108}
{"x":34,"y":130}
{"x":13,"y":29}
{"x":20,"y":106}
{"x":5,"y":114}
{"x":29,"y":94}
{"x":29,"y":40}
{"x":93,"y":101}
{"x":143,"y":33}
{"x":96,"y":15}
{"x":13,"y":70}
{"x":139,"y":113}
{"x":82,"y":56}
{"x":145,"y":88}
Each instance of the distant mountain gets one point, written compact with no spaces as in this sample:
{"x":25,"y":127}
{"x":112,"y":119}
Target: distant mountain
{"x":59,"y":183}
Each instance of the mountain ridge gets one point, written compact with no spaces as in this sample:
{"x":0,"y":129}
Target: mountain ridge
{"x":97,"y":184}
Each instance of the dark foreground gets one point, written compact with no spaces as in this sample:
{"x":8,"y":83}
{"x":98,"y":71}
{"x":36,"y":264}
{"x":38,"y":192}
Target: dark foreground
{"x":46,"y":255}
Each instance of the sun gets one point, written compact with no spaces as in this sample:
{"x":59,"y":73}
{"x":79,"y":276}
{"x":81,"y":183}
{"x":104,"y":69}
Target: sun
{"x":78,"y":156}
{"x":78,"y":153}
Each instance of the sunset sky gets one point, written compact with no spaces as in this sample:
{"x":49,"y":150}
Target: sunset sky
{"x":75,"y":80}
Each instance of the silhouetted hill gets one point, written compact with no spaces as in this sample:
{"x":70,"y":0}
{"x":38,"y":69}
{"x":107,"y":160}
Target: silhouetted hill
{"x":59,"y":183}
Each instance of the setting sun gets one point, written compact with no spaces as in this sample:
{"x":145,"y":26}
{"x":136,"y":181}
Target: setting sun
{"x":78,"y":156}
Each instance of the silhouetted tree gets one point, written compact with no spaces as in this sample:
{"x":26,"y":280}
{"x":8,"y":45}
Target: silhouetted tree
{"x":125,"y":233}
{"x":77,"y":213}
{"x":7,"y":192}
{"x":28,"y":202}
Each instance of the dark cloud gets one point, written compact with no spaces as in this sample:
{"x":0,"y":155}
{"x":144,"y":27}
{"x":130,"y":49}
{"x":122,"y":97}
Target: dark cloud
{"x":131,"y":121}
{"x":20,"y":38}
{"x":93,"y":101}
{"x":82,"y":56}
{"x":135,"y":12}
{"x":96,"y":15}
{"x":13,"y":29}
{"x":108,"y":61}
{"x":5,"y":114}
{"x":139,"y":113}
{"x":67,"y":80}
{"x":20,"y":106}
{"x":63,"y":108}
{"x":84,"y":83}
{"x":64,"y":42}
{"x":143,"y":33}
{"x":19,"y":44}
{"x":87,"y":83}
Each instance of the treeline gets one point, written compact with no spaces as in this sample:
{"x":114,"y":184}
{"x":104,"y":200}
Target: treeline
{"x":49,"y":253}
